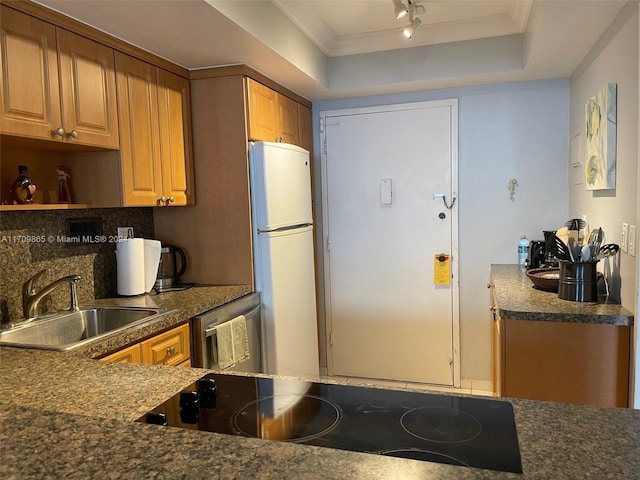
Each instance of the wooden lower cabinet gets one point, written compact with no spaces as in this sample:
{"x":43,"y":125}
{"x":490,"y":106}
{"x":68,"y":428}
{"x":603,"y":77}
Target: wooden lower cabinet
{"x":168,"y":348}
{"x":132,"y":354}
{"x":573,"y":362}
{"x":567,"y":362}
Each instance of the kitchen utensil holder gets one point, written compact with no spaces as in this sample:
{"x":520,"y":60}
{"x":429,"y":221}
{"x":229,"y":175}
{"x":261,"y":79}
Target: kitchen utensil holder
{"x":578,"y":281}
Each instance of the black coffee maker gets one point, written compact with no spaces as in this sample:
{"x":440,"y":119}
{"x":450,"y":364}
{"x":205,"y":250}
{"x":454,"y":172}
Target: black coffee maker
{"x":537,"y":254}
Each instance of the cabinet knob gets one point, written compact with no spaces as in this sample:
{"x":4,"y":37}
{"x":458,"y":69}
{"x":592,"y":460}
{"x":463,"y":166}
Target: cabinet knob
{"x":59,"y":132}
{"x":171,"y":351}
{"x":73,"y":134}
{"x":171,"y":199}
{"x":162,"y":200}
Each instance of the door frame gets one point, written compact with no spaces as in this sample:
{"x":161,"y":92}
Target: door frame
{"x":331,"y":117}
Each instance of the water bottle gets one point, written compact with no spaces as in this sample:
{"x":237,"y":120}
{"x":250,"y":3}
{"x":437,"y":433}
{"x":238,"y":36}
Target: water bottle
{"x":523,"y":250}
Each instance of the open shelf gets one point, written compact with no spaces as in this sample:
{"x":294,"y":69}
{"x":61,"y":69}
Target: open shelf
{"x":44,"y":206}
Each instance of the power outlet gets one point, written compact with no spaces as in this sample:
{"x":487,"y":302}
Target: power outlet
{"x":631,"y":240}
{"x":625,"y":236}
{"x":125,"y":232}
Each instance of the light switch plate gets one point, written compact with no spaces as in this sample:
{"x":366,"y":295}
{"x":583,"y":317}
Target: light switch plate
{"x":631,"y":240}
{"x":386,"y":191}
{"x":625,"y":236}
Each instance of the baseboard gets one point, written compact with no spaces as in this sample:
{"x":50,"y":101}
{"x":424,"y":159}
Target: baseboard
{"x":481,"y":387}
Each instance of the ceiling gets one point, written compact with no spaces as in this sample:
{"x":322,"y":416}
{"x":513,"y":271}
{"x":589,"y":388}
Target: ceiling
{"x":342,"y":48}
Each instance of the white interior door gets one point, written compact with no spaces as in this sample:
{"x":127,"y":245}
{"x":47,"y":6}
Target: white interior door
{"x":387,"y":316}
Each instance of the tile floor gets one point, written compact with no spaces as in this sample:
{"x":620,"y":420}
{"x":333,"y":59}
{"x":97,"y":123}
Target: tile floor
{"x":374,"y":382}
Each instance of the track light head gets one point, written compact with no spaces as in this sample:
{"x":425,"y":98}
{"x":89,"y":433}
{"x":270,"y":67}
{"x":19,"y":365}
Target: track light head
{"x":400,"y":9}
{"x":410,"y":29}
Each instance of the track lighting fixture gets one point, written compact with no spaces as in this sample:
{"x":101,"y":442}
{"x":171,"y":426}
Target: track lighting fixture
{"x":403,"y":8}
{"x":400,"y":9}
{"x":410,"y":29}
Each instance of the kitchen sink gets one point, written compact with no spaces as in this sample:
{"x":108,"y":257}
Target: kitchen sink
{"x":69,"y":330}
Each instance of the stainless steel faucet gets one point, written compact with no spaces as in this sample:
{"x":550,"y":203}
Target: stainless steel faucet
{"x":31,"y":298}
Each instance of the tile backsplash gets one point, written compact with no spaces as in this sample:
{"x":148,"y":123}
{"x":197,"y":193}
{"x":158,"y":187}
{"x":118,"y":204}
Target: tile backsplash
{"x":31,"y":241}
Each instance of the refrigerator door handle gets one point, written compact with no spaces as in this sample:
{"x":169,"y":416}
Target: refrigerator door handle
{"x":284,"y":229}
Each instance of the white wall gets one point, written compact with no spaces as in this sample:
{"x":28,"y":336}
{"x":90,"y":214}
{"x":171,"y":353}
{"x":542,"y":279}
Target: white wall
{"x":506,"y":131}
{"x":614,"y":59}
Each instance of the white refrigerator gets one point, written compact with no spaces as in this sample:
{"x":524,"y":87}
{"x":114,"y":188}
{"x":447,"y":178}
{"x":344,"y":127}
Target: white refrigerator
{"x":283,"y":257}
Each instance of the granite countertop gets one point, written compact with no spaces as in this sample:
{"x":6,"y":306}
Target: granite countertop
{"x":518,"y":300}
{"x":180,"y":306}
{"x":66,"y":415}
{"x":63,"y":416}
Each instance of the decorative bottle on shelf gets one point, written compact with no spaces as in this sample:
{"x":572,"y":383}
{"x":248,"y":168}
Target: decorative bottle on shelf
{"x":523,"y":250}
{"x":23,"y":188}
{"x":64,"y":196}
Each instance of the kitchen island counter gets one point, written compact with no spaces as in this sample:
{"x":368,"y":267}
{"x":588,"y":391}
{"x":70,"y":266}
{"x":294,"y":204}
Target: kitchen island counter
{"x":68,"y":417}
{"x":517,"y":299}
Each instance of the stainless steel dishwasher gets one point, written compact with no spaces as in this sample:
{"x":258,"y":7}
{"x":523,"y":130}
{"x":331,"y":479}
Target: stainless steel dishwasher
{"x":204,"y":350}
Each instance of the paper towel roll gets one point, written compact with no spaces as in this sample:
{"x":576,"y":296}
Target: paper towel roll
{"x":151,"y":263}
{"x":130,"y":266}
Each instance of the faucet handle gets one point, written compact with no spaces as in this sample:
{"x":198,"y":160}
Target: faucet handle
{"x":28,"y":287}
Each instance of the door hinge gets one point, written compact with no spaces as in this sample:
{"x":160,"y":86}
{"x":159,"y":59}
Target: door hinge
{"x":325,"y":146}
{"x":331,"y":338}
{"x":328,"y":244}
{"x":321,"y":124}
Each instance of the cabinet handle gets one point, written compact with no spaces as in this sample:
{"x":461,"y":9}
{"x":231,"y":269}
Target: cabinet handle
{"x":171,"y":351}
{"x":73,"y":133}
{"x":59,"y":132}
{"x":162,"y":200}
{"x":171,"y":199}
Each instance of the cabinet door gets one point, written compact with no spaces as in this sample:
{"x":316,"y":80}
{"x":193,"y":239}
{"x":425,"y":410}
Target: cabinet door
{"x":174,"y":116}
{"x":30,"y":98}
{"x":263,"y":112}
{"x":169,"y":348}
{"x":132,"y":354}
{"x":567,"y":362}
{"x":139,"y":131}
{"x":88,"y":90}
{"x":497,"y":346}
{"x":305,"y":129}
{"x":287,"y":120}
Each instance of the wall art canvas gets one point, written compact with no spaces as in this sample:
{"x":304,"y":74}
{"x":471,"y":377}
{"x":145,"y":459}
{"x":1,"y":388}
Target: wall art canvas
{"x":600,"y":147}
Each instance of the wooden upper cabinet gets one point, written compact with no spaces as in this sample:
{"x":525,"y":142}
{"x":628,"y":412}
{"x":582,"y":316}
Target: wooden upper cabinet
{"x":87,"y":78}
{"x":271,"y":117}
{"x":305,"y":128}
{"x":30,"y":93}
{"x":175,"y":118}
{"x":56,"y":85}
{"x":154,"y":134}
{"x":139,"y":131}
{"x":287,"y":120}
{"x":263,"y":112}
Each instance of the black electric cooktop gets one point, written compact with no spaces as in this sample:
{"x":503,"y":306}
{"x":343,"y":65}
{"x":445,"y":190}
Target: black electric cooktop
{"x":455,"y":430}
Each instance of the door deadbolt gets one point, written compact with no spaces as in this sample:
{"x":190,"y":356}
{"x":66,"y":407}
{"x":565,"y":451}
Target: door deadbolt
{"x":442,"y":215}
